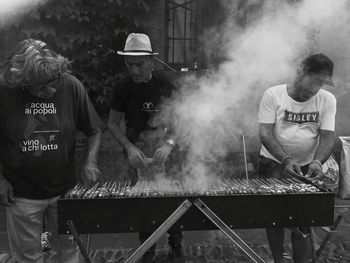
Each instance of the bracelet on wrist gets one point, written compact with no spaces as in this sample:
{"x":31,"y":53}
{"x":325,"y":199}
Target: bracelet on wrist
{"x":285,"y":158}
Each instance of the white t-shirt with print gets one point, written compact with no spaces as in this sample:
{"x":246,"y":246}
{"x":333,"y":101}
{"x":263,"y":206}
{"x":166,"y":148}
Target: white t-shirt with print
{"x":297,"y":124}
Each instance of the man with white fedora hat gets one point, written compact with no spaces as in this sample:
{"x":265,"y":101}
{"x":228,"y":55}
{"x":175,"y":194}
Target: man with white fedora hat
{"x":147,"y":143}
{"x":137,"y":44}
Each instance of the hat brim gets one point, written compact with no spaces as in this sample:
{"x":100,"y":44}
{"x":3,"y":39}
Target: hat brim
{"x":122,"y":53}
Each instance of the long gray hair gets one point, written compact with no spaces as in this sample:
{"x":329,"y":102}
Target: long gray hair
{"x":32,"y":63}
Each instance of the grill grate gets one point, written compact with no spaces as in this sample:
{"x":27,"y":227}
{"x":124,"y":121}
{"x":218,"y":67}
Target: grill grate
{"x":176,"y":188}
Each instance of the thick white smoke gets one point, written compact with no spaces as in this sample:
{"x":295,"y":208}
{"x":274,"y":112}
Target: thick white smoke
{"x":11,"y":10}
{"x":214,"y":110}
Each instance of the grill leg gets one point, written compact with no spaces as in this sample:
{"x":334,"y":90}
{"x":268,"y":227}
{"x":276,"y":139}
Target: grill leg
{"x":228,"y":231}
{"x":161,"y":230}
{"x":74,"y":232}
{"x":313,"y":251}
{"x":328,"y":235}
{"x":88,"y":243}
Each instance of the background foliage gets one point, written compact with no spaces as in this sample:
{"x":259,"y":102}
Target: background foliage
{"x":87,"y":31}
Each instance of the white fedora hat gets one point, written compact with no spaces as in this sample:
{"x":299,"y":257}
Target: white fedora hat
{"x":137,"y":44}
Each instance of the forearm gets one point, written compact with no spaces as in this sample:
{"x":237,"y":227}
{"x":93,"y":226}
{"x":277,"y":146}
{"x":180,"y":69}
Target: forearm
{"x":272,"y":145}
{"x":94,"y":146}
{"x":170,"y":136}
{"x":170,"y":130}
{"x":119,"y":136}
{"x":2,"y":177}
{"x":325,"y":146}
{"x":6,"y":190}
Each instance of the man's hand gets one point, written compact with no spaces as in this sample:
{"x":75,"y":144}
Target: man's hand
{"x":291,"y":167}
{"x":136,"y":157}
{"x":90,"y":173}
{"x":315,"y":172}
{"x":6,"y":192}
{"x":161,"y":154}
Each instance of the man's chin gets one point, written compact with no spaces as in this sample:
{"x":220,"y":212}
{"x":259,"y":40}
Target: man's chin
{"x":45,"y":96}
{"x":137,"y":80}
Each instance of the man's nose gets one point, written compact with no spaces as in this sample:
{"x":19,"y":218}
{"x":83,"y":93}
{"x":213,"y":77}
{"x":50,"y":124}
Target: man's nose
{"x":134,"y":70}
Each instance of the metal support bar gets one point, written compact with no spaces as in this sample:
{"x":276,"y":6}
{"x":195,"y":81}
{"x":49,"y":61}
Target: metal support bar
{"x":328,"y":236}
{"x":327,"y":229}
{"x":245,"y":158}
{"x":228,"y":231}
{"x":178,"y":38}
{"x":177,"y":5}
{"x":342,"y":206}
{"x":313,"y":251}
{"x":161,"y":230}
{"x":174,"y":24}
{"x":88,"y":243}
{"x":74,"y":232}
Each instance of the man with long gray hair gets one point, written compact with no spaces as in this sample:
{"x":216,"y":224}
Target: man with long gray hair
{"x":41,"y":107}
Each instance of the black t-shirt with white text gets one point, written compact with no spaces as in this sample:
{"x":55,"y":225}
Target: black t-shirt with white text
{"x":37,"y":137}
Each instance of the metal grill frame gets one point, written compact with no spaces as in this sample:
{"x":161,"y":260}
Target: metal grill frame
{"x":124,"y":215}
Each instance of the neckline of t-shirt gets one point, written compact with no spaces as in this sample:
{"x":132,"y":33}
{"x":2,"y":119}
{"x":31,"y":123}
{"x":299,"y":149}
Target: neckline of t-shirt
{"x":295,"y":101}
{"x":148,"y":84}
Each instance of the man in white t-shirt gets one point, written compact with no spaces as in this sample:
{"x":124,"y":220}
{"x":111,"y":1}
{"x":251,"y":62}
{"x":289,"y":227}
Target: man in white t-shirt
{"x":296,"y":127}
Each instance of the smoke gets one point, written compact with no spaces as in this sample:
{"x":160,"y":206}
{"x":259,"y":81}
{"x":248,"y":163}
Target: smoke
{"x":12,"y":10}
{"x":214,"y":111}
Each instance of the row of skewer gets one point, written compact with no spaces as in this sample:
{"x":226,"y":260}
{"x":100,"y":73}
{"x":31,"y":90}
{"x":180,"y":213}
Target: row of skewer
{"x":168,"y":188}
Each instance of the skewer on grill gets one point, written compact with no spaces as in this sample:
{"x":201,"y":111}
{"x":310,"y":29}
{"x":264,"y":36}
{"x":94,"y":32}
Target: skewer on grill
{"x":90,"y":193}
{"x":103,"y":190}
{"x":171,"y":188}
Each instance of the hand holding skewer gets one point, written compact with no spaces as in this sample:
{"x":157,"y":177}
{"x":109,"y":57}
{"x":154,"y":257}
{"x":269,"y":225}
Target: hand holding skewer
{"x":291,"y":167}
{"x":315,"y":172}
{"x":136,"y":156}
{"x":161,"y":154}
{"x":90,"y":173}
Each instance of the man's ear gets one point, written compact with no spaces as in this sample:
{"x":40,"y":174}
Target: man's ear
{"x":300,"y":71}
{"x":152,"y":61}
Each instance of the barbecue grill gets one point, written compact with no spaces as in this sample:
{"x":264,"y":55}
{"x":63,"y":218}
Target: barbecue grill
{"x":118,"y":207}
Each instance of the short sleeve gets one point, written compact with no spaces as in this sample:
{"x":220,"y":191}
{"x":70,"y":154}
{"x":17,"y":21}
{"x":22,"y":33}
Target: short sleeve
{"x":328,"y":115}
{"x":120,"y":96}
{"x":267,"y":108}
{"x":87,"y":119}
